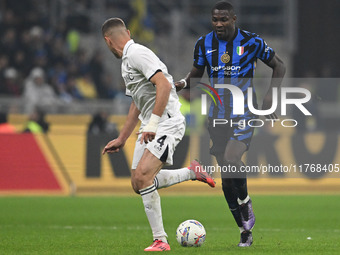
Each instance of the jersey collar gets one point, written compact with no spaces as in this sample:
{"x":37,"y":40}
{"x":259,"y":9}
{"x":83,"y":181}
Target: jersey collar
{"x":126,"y":47}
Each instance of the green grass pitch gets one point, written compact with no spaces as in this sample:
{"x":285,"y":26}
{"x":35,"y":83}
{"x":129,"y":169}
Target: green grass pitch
{"x":118,"y":225}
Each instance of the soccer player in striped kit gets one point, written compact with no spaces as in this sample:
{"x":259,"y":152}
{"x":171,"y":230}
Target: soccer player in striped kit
{"x":229,"y":55}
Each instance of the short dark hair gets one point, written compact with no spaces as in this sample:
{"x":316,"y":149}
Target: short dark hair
{"x":112,"y":22}
{"x":223,"y":5}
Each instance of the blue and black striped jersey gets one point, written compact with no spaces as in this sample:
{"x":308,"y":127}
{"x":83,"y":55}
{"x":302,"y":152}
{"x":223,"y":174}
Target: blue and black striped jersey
{"x":231,"y":62}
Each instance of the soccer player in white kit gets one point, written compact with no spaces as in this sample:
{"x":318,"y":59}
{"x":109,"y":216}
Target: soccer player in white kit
{"x":156,"y":104}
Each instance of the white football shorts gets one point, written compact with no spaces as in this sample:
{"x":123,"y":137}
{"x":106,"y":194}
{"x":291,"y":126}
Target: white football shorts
{"x":169,"y":133}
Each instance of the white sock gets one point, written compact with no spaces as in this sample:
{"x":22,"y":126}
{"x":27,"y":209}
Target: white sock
{"x":166,"y":178}
{"x":152,"y":206}
{"x":240,"y":202}
{"x":241,"y":229}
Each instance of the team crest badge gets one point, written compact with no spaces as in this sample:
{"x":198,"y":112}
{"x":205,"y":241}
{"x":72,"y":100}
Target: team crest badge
{"x":240,"y":50}
{"x":225,"y":58}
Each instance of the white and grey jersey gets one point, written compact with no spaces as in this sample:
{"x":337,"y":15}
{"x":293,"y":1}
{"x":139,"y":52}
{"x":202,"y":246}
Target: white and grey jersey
{"x":139,"y":64}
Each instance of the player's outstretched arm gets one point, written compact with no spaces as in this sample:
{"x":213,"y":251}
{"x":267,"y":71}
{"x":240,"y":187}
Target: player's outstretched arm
{"x":279,"y":71}
{"x":194,"y":73}
{"x":130,"y":124}
{"x":163,"y":88}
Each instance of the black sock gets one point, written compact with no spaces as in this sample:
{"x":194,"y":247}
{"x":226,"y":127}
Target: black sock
{"x":241,"y":187}
{"x":231,"y":198}
{"x":237,"y":216}
{"x":229,"y":193}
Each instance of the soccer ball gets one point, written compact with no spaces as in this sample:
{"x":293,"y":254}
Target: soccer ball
{"x":190,"y":233}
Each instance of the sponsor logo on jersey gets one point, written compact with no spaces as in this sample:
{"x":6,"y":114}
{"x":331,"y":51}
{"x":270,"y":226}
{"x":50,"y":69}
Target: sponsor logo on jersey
{"x":225,"y":68}
{"x":228,"y":70}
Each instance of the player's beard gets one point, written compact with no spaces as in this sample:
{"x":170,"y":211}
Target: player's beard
{"x":115,"y":53}
{"x":226,"y":34}
{"x":221,"y":35}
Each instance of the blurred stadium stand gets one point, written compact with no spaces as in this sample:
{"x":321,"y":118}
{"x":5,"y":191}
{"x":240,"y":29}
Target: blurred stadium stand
{"x":63,"y":37}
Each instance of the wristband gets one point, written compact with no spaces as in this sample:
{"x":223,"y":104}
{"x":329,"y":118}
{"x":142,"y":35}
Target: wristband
{"x":153,"y":124}
{"x":185,"y":83}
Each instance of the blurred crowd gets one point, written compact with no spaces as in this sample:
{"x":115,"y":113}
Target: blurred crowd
{"x":39,"y":61}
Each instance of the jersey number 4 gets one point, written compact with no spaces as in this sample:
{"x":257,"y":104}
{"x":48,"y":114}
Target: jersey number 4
{"x":161,"y":140}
